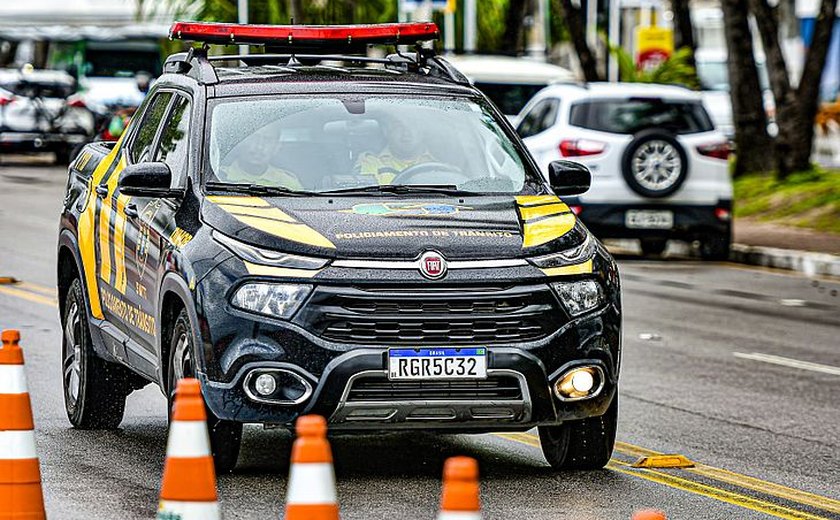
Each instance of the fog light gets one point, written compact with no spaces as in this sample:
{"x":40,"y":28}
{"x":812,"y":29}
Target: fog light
{"x":265,"y":384}
{"x":579,"y":383}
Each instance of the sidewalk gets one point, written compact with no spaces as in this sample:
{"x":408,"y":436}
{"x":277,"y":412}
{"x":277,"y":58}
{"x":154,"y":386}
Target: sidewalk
{"x":772,"y":245}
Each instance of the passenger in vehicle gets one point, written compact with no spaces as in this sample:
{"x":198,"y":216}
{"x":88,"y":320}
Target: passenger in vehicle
{"x":405,"y":148}
{"x":252,"y":163}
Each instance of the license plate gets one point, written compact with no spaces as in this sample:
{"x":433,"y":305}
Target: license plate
{"x":649,"y":219}
{"x":437,"y":363}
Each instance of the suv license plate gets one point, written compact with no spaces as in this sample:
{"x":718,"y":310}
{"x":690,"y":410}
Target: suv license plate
{"x":649,"y":219}
{"x":437,"y":363}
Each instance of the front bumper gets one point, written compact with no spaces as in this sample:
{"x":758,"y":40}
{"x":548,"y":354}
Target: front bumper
{"x":691,"y":221}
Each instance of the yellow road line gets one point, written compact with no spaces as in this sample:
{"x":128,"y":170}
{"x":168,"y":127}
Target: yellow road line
{"x":37,"y":298}
{"x":33,"y":287}
{"x":708,"y":491}
{"x":744,"y":481}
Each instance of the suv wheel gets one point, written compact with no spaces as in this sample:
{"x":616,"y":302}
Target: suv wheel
{"x":653,"y":246}
{"x":715,"y":247}
{"x":583,"y":444}
{"x":94,"y":389}
{"x":225,"y":436}
{"x":654,"y":164}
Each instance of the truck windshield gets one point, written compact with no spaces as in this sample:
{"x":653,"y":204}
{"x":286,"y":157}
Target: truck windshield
{"x":336,"y":144}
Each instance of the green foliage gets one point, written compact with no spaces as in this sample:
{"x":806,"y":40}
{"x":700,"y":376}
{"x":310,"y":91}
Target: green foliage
{"x":808,"y":199}
{"x":676,"y":70}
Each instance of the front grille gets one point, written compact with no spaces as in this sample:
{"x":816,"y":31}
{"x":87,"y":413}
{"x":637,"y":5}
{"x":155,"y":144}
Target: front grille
{"x":378,"y":389}
{"x":432,"y":317}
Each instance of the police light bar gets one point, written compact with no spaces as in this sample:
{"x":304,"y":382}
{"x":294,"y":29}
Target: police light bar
{"x":304,"y":35}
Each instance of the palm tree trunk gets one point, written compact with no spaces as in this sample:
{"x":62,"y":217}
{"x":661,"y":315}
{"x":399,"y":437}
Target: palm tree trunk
{"x":577,"y":31}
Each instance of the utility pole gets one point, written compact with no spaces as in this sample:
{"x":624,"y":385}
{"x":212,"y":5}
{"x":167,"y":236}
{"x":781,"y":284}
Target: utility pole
{"x":470,"y":26}
{"x":242,"y":14}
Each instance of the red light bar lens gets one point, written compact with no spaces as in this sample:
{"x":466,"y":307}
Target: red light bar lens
{"x":290,"y":35}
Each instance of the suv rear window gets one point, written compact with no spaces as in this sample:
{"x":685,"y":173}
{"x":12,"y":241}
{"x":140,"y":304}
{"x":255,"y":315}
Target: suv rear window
{"x":629,"y":116}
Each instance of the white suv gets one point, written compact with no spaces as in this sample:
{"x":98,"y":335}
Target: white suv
{"x":659,"y":168}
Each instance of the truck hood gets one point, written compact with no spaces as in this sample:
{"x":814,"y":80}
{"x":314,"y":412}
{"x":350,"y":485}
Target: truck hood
{"x":479,"y":227}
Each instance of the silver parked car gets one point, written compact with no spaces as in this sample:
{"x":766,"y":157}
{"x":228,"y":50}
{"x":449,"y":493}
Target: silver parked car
{"x":40,"y":111}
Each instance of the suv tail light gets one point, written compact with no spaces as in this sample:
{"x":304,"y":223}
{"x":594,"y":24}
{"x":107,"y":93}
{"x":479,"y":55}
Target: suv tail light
{"x":716,"y":150}
{"x":76,"y":102}
{"x":581,"y":147}
{"x":5,"y":100}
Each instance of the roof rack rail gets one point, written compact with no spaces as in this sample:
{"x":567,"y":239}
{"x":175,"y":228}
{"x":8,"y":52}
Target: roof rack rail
{"x":307,"y":43}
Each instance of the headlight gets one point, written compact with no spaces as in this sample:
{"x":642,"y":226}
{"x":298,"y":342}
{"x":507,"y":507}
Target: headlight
{"x":261,"y":256}
{"x":577,"y":254}
{"x":279,"y":300}
{"x":579,"y":296}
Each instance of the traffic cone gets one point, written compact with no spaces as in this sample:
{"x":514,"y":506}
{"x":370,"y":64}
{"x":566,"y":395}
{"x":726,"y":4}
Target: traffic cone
{"x":649,"y":514}
{"x":311,"y":490}
{"x":460,"y":490}
{"x":21,"y":497}
{"x":188,"y":491}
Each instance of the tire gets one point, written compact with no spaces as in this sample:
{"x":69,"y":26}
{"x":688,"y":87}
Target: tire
{"x":94,"y":389}
{"x":225,"y":436}
{"x":586,"y":444}
{"x":715,"y":247}
{"x":653,"y":246}
{"x":667,"y":164}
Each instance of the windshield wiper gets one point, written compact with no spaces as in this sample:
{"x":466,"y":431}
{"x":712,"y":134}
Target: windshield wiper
{"x":448,"y":189}
{"x":253,"y":189}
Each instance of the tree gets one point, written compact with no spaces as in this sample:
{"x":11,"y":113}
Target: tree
{"x":514,"y":25}
{"x":751,"y":139}
{"x":577,"y":31}
{"x":684,"y":36}
{"x":796,"y":109}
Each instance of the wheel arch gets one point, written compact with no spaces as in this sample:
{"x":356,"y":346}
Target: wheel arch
{"x":69,"y":266}
{"x":175,"y":295}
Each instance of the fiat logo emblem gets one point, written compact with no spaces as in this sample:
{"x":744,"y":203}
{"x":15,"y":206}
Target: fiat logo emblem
{"x":432,"y":265}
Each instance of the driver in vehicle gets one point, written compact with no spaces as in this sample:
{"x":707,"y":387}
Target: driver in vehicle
{"x":252,"y":159}
{"x":405,"y":149}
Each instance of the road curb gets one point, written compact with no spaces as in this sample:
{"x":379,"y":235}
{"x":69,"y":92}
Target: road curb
{"x":806,"y":262}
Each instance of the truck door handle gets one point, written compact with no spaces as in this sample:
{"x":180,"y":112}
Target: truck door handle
{"x":102,"y":190}
{"x":131,"y":211}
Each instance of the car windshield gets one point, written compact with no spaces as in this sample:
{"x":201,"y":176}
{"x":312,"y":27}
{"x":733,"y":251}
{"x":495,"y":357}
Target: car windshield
{"x":332,"y":144}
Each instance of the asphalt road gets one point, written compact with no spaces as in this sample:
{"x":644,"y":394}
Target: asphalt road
{"x":738,"y":369}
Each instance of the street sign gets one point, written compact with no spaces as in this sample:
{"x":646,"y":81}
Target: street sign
{"x":654,"y":45}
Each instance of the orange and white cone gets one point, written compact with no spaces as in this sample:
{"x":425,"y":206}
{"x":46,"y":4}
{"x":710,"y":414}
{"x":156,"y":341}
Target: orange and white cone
{"x":188,"y":491}
{"x":649,"y":514}
{"x":311,"y":490}
{"x":460,"y":490}
{"x":21,"y":497}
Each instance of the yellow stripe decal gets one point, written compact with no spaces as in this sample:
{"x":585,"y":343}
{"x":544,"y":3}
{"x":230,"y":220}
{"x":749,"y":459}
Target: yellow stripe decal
{"x":568,"y":270}
{"x":268,"y":213}
{"x":532,"y":212}
{"x":547,"y":229}
{"x":236,"y":200}
{"x":536,"y":200}
{"x":259,"y":214}
{"x":286,"y":272}
{"x":119,"y":244}
{"x":105,"y":239}
{"x":296,"y":232}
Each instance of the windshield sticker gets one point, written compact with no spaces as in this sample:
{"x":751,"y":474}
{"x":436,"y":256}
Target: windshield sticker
{"x":405,"y":209}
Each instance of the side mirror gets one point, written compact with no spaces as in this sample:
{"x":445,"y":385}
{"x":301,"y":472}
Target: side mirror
{"x":147,"y":179}
{"x":569,"y":178}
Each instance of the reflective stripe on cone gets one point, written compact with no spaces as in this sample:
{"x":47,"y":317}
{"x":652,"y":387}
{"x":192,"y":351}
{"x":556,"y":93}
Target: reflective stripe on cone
{"x":188,"y":490}
{"x":311,"y":490}
{"x":21,"y":496}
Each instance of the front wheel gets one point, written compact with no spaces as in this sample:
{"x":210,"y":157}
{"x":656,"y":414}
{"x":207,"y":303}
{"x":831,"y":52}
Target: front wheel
{"x":225,"y":436}
{"x":584,"y":444}
{"x":94,"y":389}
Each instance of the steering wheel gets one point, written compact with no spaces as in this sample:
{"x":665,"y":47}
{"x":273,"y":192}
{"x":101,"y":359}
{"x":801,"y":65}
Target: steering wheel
{"x":447,"y":173}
